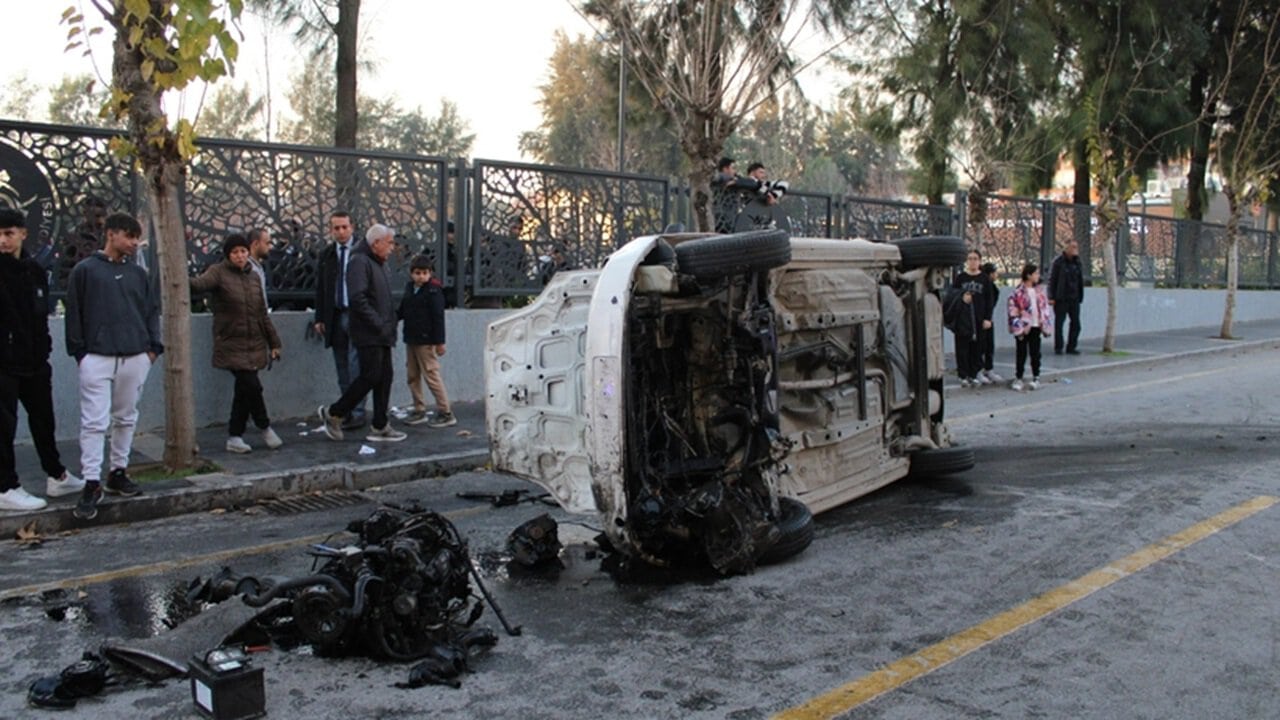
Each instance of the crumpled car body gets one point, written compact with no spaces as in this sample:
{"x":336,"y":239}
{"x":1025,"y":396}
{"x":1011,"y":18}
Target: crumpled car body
{"x":692,"y":385}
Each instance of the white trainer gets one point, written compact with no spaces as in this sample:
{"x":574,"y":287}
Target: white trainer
{"x":994,"y":377}
{"x":1016,"y":386}
{"x":21,"y":500}
{"x":271,"y":439}
{"x":68,"y":484}
{"x":236,"y":444}
{"x":1035,"y":383}
{"x":984,"y":378}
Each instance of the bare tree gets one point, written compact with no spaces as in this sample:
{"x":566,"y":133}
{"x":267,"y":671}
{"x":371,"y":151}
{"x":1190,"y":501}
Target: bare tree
{"x":709,"y":63}
{"x":1246,"y":106}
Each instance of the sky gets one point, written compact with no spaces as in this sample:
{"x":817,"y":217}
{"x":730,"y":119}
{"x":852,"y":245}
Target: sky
{"x":487,"y":56}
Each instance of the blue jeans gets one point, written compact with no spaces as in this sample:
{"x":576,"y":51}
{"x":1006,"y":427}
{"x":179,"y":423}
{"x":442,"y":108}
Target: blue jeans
{"x":345,"y":359}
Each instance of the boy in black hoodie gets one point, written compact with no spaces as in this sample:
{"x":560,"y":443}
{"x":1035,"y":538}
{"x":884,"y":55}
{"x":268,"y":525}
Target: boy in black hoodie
{"x":422,"y":309}
{"x":25,"y":374}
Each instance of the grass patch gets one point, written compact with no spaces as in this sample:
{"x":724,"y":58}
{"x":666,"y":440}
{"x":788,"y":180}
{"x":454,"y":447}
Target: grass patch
{"x":1115,"y":353}
{"x":155,"y":472}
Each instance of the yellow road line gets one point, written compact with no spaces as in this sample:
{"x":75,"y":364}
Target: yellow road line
{"x":849,"y":696}
{"x":169,"y":565}
{"x":1059,"y":399}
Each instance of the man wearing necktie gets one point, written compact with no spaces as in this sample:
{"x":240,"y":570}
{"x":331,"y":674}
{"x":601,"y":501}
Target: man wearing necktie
{"x":332,"y":301}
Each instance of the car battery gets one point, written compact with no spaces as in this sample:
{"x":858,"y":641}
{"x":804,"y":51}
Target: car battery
{"x":226,"y":686}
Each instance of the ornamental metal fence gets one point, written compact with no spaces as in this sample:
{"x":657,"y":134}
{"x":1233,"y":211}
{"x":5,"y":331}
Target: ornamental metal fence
{"x":517,"y":223}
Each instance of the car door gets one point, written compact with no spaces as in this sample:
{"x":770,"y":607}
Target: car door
{"x":535,"y":373}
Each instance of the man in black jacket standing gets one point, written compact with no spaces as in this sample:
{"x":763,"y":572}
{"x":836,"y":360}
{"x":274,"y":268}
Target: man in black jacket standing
{"x":333,"y":307}
{"x":1066,"y":292}
{"x":373,"y":333}
{"x":25,"y":374}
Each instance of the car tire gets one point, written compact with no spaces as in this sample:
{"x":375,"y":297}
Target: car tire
{"x":795,"y":531}
{"x":943,"y":461}
{"x":724,"y":255}
{"x":941,"y":251}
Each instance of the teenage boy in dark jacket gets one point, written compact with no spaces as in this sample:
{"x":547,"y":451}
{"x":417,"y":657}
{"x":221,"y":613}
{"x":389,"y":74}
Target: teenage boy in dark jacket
{"x":25,"y":374}
{"x":422,"y":310}
{"x":969,"y":316}
{"x":113,"y":332}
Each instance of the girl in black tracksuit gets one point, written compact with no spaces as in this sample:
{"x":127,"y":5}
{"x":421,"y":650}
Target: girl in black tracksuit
{"x":968,"y":314}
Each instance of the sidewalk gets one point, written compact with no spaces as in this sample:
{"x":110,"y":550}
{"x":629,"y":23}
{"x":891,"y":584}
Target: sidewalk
{"x":1135,"y":350}
{"x":310,"y":462}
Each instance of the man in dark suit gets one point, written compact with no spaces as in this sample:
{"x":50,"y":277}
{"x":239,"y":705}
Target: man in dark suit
{"x":332,"y":321}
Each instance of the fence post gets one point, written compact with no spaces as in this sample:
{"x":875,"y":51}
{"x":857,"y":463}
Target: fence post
{"x":959,"y":227}
{"x":1048,"y":233}
{"x":462,"y":234}
{"x":1273,"y":239}
{"x":1122,"y":244}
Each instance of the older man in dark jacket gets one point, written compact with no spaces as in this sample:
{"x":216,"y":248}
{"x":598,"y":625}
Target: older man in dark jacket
{"x":1066,"y":292}
{"x":372,"y":324}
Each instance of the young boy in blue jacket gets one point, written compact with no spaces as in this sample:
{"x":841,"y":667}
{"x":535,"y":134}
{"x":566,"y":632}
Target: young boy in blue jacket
{"x":422,"y":310}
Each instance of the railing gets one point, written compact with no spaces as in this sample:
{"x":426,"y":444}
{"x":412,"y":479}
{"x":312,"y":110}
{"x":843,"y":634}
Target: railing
{"x":512,"y":219}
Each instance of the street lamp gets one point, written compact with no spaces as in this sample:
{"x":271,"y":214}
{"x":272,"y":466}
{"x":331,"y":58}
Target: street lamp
{"x":622,"y":100}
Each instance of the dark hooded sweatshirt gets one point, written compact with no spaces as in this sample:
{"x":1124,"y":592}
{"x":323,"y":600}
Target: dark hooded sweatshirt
{"x":112,"y":309}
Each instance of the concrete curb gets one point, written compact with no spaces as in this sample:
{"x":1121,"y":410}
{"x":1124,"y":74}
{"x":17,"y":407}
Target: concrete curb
{"x":202,"y":493}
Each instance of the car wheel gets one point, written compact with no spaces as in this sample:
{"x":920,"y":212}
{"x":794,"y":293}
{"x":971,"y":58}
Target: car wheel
{"x":943,"y":461}
{"x":941,"y":251}
{"x":735,"y":254}
{"x":795,"y":531}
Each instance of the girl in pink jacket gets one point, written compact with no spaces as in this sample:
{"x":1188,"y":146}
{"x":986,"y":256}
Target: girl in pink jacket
{"x":1030,"y":318}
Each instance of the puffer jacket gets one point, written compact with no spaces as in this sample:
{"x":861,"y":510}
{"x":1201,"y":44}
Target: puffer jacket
{"x":243,"y":334}
{"x":1020,"y":315}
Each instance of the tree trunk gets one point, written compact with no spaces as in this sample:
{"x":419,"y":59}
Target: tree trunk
{"x":1233,"y":261}
{"x":164,"y":188}
{"x":346,"y":121}
{"x":1108,"y":223}
{"x":1080,"y":159}
{"x":700,"y":189}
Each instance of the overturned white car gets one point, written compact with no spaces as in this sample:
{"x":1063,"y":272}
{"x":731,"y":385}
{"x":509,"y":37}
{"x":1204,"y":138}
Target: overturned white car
{"x":703,"y":394}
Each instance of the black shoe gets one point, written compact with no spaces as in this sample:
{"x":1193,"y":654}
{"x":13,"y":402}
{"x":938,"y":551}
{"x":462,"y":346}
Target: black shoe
{"x":1073,"y":351}
{"x":118,"y":483}
{"x":90,"y":496}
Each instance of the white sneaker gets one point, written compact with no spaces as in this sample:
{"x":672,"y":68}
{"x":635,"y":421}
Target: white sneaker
{"x":68,"y":484}
{"x":993,"y":377}
{"x":983,"y":379}
{"x":272,"y":440}
{"x":1035,"y":383}
{"x":1016,"y":386}
{"x":20,"y":500}
{"x":236,"y":444}
{"x":964,"y":382}
{"x":385,"y":434}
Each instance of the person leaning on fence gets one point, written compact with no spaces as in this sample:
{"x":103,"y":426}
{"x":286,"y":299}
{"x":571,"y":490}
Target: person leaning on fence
{"x":244,"y":339}
{"x":113,"y":332}
{"x":1066,"y":292}
{"x":25,"y":374}
{"x":1030,"y":317}
{"x":422,"y":310}
{"x":373,"y":333}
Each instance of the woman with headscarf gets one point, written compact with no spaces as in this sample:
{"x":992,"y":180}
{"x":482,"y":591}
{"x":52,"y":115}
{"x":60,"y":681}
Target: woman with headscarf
{"x":244,"y":339}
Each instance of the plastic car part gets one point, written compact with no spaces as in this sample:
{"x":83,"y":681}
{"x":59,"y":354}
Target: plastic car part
{"x":535,"y":542}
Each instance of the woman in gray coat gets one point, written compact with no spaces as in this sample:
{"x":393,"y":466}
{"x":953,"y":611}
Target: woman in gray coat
{"x":244,"y":340}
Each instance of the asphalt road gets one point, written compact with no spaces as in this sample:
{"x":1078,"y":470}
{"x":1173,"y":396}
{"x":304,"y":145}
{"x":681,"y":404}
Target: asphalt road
{"x":1115,"y":554}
